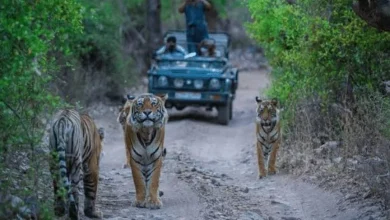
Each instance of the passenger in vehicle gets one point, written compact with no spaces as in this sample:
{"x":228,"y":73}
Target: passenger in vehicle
{"x":195,"y":21}
{"x":171,"y":48}
{"x":207,"y":48}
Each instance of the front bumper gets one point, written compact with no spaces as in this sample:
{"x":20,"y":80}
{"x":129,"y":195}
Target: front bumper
{"x":179,"y":98}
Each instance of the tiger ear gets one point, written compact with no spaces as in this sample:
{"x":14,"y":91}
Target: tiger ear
{"x":258,"y":100}
{"x":128,"y":100}
{"x":130,"y":97}
{"x":275,"y":102}
{"x":163,"y":96}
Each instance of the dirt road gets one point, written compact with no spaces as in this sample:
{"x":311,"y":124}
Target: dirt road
{"x":210,"y":171}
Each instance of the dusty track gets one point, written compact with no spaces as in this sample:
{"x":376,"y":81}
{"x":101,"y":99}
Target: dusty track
{"x":210,"y":171}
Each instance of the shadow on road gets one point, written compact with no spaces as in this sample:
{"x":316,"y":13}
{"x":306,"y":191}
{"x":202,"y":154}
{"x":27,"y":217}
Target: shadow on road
{"x":192,"y":113}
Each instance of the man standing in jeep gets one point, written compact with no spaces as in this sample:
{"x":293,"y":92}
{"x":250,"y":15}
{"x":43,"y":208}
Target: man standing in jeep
{"x":195,"y":21}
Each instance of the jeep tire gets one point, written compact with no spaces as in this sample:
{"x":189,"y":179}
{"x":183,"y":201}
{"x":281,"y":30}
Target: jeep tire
{"x":230,"y":110}
{"x":224,"y":112}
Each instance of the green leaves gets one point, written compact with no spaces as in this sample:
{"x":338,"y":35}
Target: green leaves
{"x":31,"y":32}
{"x":316,"y":44}
{"x":315,"y":48}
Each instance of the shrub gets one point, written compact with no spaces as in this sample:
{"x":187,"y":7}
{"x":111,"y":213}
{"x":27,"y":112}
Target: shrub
{"x":31,"y":31}
{"x":101,"y":65}
{"x":318,"y":46}
{"x":328,"y":65}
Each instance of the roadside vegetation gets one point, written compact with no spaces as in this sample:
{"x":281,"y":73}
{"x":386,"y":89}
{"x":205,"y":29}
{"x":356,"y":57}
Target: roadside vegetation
{"x":329,"y":71}
{"x":70,"y":53}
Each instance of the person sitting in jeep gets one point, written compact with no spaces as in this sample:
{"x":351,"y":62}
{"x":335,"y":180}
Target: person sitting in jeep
{"x":171,"y":48}
{"x":207,"y":48}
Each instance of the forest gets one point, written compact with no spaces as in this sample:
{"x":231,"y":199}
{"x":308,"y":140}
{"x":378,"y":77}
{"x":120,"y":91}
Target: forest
{"x":329,"y":68}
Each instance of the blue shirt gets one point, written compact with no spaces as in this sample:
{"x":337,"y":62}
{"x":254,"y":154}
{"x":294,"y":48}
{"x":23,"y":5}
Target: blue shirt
{"x":195,"y":14}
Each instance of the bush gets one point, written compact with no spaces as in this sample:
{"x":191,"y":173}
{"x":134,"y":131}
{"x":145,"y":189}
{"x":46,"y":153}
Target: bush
{"x":31,"y":32}
{"x":328,"y":65}
{"x":319,"y":46}
{"x":101,"y":65}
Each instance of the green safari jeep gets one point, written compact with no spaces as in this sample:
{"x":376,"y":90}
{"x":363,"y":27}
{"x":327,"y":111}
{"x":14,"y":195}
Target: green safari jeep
{"x":193,"y":80}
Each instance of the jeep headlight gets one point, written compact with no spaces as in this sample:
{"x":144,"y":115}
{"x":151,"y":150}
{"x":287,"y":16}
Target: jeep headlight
{"x":215,"y":84}
{"x":162,"y":81}
{"x":228,"y":84}
{"x":178,"y":83}
{"x":198,"y":83}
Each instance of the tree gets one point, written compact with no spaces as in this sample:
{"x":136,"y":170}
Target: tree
{"x":153,"y":24}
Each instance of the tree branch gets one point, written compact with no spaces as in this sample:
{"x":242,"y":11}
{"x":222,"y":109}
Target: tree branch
{"x":17,"y":116}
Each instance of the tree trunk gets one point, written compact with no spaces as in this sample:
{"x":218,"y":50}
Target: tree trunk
{"x":153,"y":29}
{"x":212,"y":18}
{"x":215,"y":21}
{"x":153,"y":24}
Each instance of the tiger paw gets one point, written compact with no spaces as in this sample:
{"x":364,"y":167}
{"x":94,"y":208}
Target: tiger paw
{"x":261,"y":177}
{"x":91,"y":213}
{"x":125,"y":166}
{"x":271,"y":172}
{"x":154,"y":204}
{"x":140,"y":204}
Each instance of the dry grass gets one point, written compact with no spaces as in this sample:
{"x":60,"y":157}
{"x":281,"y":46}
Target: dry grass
{"x":88,"y":85}
{"x":336,"y":144}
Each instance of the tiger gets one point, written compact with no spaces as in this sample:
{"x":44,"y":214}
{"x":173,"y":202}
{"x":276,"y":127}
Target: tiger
{"x":122,"y":118}
{"x":122,"y":113}
{"x":92,"y":152}
{"x":75,"y":144}
{"x":268,"y":135}
{"x":144,"y":133}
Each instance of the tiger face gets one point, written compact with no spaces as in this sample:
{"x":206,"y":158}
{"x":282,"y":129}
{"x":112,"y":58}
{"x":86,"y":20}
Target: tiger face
{"x":147,"y":111}
{"x":267,"y":113}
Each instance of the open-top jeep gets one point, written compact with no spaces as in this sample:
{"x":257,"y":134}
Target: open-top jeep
{"x":194,"y":80}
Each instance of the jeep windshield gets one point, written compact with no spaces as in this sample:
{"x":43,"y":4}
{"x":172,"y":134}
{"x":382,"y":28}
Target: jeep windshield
{"x":203,"y":63}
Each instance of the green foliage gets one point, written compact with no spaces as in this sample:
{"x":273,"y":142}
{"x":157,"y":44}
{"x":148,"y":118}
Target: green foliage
{"x":102,"y":42}
{"x":101,"y":58}
{"x":327,"y":68}
{"x":31,"y":32}
{"x":317,"y":46}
